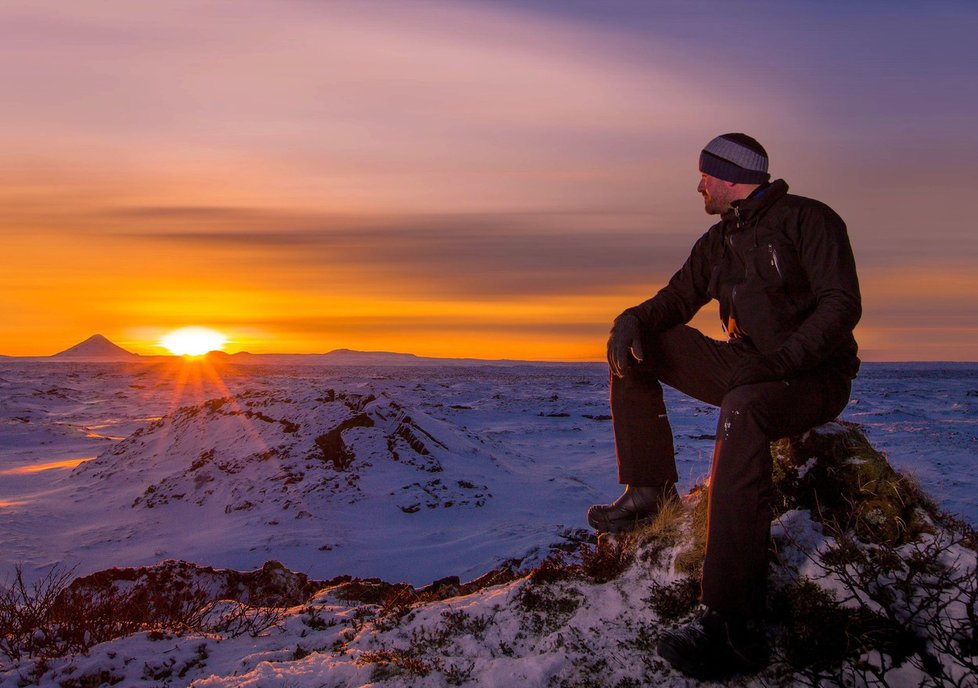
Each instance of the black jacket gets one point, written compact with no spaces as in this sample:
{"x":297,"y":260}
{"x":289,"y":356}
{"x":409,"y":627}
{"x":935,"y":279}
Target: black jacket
{"x":782,"y":269}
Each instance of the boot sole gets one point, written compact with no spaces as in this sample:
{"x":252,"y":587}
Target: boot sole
{"x":619,"y":525}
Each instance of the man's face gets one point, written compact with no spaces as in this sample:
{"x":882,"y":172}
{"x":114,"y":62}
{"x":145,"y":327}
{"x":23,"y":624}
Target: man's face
{"x":717,"y":194}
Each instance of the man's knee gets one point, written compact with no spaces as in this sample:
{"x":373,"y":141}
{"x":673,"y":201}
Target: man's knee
{"x":746,"y":397}
{"x":755,"y":404}
{"x":686,"y":359}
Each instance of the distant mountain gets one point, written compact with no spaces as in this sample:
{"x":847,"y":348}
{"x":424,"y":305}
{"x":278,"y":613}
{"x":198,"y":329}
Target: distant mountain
{"x":387,"y":358}
{"x":97,"y":347}
{"x":382,"y":357}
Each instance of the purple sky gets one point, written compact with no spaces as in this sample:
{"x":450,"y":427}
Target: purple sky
{"x":463,"y":178}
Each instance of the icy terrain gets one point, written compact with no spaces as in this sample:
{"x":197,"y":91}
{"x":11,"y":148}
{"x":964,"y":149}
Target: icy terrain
{"x":406,"y":473}
{"x":422,"y":473}
{"x":925,"y":417}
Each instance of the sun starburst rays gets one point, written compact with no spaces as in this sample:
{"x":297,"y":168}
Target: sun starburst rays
{"x":197,"y":380}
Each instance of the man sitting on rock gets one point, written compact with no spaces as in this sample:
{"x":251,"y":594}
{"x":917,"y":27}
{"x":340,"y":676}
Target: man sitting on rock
{"x":783,"y":271}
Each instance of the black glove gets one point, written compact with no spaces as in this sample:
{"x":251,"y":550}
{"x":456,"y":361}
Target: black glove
{"x":760,"y":368}
{"x":624,"y":344}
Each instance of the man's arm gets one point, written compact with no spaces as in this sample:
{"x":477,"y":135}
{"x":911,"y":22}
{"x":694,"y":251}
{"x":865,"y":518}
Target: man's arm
{"x":686,"y":292}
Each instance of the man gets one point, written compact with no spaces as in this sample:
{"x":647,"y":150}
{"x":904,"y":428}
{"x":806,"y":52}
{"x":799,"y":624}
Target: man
{"x":782,"y":269}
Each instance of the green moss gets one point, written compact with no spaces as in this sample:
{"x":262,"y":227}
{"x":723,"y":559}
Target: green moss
{"x":849,"y":485}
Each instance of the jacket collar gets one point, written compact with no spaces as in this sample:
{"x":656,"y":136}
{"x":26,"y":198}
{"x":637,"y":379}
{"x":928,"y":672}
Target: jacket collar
{"x":749,"y":209}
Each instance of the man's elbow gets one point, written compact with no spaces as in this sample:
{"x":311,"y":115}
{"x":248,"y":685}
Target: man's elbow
{"x":857,"y":312}
{"x":847,"y":306}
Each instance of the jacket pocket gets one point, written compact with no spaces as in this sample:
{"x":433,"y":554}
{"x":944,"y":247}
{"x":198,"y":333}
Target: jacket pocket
{"x":777,"y":263}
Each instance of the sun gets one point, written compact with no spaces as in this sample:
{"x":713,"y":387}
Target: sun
{"x":193,"y":341}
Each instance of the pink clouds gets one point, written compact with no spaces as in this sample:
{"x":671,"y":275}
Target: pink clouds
{"x":434,"y":105}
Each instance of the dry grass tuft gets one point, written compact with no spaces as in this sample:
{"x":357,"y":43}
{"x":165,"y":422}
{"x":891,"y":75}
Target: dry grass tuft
{"x":53,"y":616}
{"x":668,"y":527}
{"x":556,"y":567}
{"x":689,"y":561}
{"x":673,"y":525}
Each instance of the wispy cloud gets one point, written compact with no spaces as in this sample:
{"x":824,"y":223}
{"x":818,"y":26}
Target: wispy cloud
{"x":471,"y":255}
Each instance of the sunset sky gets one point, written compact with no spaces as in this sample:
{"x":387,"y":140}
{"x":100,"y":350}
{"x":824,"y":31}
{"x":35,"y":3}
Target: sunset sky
{"x":496,"y":179}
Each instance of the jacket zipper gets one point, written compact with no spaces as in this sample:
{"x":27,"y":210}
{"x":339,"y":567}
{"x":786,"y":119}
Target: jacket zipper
{"x":774,"y":260}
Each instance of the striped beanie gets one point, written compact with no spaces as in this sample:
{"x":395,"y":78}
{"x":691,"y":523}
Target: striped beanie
{"x":735,"y":158}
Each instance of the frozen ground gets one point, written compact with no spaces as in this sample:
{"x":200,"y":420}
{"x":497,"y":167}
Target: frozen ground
{"x":407,"y":473}
{"x":925,"y":417}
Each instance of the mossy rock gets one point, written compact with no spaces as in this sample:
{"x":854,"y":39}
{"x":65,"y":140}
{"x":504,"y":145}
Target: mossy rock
{"x":835,"y":472}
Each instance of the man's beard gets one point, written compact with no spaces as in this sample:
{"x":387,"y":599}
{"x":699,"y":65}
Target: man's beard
{"x":714,"y":206}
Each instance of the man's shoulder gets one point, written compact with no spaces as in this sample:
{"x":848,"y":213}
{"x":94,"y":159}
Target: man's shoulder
{"x":806,"y":221}
{"x":790,"y":202}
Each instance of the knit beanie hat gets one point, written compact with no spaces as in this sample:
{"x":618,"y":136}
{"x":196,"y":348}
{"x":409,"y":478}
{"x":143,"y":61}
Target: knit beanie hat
{"x":735,"y":158}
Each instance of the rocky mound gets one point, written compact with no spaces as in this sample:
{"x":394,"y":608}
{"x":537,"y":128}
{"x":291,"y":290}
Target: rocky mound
{"x":160,"y":586}
{"x":294,"y":456}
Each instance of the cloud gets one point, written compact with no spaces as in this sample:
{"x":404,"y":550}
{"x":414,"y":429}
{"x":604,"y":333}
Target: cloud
{"x":367,"y":106}
{"x":317,"y":324}
{"x":470,"y":255}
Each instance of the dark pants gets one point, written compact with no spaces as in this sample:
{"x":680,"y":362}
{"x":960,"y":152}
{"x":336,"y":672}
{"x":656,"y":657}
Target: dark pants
{"x":738,"y":530}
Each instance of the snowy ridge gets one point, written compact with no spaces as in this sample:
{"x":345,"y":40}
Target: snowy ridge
{"x":294,"y":456}
{"x":279,"y":464}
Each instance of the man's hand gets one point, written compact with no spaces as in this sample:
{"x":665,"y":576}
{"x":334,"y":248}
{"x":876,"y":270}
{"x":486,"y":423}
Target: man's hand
{"x":624,"y":344}
{"x":759,"y":368}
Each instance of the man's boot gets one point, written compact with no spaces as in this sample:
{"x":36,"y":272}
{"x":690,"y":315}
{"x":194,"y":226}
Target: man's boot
{"x":714,"y":647}
{"x":635,"y":506}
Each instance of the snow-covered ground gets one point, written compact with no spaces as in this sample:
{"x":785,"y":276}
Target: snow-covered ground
{"x":405,"y":473}
{"x":410,"y":473}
